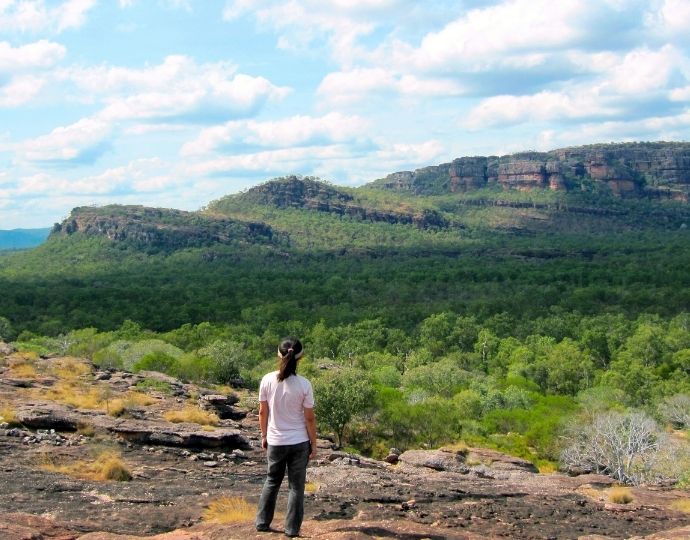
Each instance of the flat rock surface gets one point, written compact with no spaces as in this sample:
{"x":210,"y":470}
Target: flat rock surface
{"x":435,"y":494}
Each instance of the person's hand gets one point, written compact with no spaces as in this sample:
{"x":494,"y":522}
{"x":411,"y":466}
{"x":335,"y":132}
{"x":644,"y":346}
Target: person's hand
{"x":264,"y":443}
{"x":312,"y":454}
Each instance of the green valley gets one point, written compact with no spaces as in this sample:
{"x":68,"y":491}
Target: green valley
{"x":490,"y":313}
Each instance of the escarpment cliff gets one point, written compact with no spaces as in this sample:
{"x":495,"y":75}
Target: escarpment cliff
{"x":160,"y":228}
{"x":658,"y":170}
{"x":310,"y":194}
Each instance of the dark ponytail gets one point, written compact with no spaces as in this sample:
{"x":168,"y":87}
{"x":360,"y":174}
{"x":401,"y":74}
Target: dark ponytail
{"x":290,"y":350}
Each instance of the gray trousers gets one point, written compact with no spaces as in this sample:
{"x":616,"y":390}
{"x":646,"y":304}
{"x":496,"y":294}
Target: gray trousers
{"x":294,"y":457}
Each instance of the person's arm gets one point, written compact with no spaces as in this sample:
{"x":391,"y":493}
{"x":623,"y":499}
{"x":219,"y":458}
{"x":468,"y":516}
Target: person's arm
{"x":263,"y":422}
{"x":310,"y":419}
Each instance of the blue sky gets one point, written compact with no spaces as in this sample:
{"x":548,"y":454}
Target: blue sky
{"x":177,"y":102}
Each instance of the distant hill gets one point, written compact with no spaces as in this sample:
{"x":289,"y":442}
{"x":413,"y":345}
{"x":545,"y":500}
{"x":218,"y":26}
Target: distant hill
{"x":159,"y":229}
{"x":656,"y":170}
{"x":22,"y":238}
{"x":294,"y":192}
{"x":398,"y":249}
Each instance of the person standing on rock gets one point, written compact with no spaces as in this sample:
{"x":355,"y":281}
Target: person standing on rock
{"x":288,"y":434}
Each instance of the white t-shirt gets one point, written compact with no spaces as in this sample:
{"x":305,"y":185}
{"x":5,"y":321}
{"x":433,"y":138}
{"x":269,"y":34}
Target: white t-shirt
{"x":287,"y":400}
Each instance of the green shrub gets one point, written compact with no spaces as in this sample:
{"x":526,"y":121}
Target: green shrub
{"x":154,"y":385}
{"x":107,"y":358}
{"x":156,"y":361}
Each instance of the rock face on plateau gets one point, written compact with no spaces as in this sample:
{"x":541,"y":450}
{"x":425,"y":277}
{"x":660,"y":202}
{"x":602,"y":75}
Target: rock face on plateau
{"x":629,"y":169}
{"x":297,"y":192}
{"x":159,"y":228}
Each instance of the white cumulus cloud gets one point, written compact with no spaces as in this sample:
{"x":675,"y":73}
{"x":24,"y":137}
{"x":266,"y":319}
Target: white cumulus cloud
{"x":178,"y":87}
{"x":41,"y":54}
{"x":288,"y":132}
{"x":20,"y":90}
{"x":66,"y":143}
{"x":643,"y":70}
{"x":483,"y":36}
{"x":344,"y":87}
{"x":545,"y":105}
{"x":177,"y":92}
{"x":35,"y":16}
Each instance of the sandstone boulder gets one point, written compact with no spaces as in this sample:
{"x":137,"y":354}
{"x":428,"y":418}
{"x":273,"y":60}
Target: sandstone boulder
{"x":498,"y":461}
{"x":47,"y":415}
{"x":436,"y":460}
{"x":222,"y":406}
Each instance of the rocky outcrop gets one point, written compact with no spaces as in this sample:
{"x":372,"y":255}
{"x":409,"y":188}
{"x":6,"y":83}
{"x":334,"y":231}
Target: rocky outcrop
{"x":449,"y":493}
{"x":49,"y":415}
{"x":160,"y":228}
{"x":660,"y":170}
{"x":297,"y":192}
{"x":24,"y":526}
{"x":435,"y":460}
{"x":482,"y":462}
{"x":222,"y":406}
{"x":311,"y":194}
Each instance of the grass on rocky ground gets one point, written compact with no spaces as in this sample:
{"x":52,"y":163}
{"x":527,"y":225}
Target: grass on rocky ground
{"x":69,"y":369}
{"x":22,"y":366}
{"x":8,"y":414}
{"x":192,"y":414}
{"x":154,"y":385}
{"x":249,"y":401}
{"x":119,"y":405}
{"x":229,"y":510}
{"x":107,"y":466}
{"x":78,"y":395}
{"x":682,"y":505}
{"x":620,"y":495}
{"x":81,"y":395}
{"x":461,"y":448}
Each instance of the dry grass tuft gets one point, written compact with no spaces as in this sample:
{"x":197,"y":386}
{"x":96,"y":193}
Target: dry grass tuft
{"x":77,"y":395}
{"x":69,"y":369}
{"x":592,"y":493}
{"x":117,"y":406}
{"x":547,"y":467}
{"x":23,"y":371}
{"x":111,"y":467}
{"x":682,"y":505}
{"x":87,"y":430}
{"x":106,"y":467}
{"x":85,"y":395}
{"x":229,"y":510}
{"x":461,"y":448}
{"x":311,"y":487}
{"x":8,"y":414}
{"x":192,"y":414}
{"x":22,"y":366}
{"x":620,"y":495}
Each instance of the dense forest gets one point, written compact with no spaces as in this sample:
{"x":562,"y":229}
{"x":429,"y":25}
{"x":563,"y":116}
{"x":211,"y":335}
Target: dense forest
{"x":505,"y":318}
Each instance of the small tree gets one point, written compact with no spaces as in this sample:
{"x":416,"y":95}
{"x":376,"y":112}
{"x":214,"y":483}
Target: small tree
{"x":676,"y":410}
{"x":156,"y":361}
{"x":624,"y":446}
{"x":340,"y":396}
{"x":6,"y":331}
{"x":226,"y":357}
